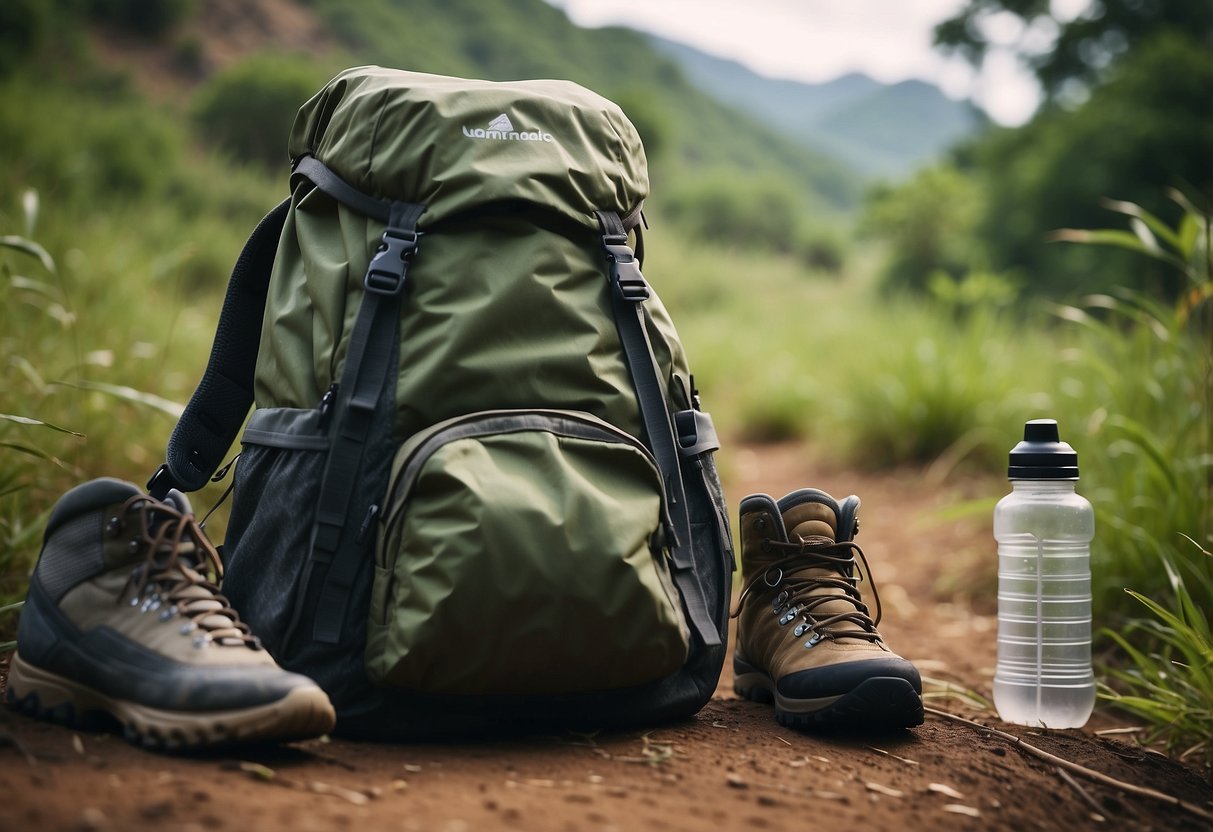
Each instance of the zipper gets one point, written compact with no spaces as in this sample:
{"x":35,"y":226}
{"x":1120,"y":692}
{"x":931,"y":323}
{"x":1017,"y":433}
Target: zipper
{"x":572,"y":424}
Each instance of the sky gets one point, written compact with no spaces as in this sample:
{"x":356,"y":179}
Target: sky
{"x":819,"y":40}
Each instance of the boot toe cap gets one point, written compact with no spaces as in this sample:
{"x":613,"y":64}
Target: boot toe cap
{"x":842,"y":678}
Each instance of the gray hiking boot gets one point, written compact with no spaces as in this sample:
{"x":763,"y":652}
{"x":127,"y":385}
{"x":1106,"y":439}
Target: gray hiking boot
{"x":806,"y":640}
{"x":121,"y":619}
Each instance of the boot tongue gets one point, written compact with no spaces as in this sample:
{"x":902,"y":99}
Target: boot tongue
{"x":811,"y":522}
{"x":816,"y":523}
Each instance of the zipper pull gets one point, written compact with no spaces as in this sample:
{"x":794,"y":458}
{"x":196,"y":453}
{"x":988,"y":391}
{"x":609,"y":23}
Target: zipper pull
{"x":326,"y":405}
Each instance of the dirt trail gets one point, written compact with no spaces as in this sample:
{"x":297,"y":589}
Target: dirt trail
{"x":731,"y":767}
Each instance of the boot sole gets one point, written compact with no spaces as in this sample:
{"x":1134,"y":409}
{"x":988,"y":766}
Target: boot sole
{"x":303,"y":713}
{"x":877,"y":703}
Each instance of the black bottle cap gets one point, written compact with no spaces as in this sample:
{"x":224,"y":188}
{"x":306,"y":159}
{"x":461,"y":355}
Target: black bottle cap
{"x":1042,"y":455}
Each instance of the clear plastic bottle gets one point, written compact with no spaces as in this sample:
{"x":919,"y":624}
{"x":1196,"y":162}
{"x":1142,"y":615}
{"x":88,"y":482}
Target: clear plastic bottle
{"x":1044,"y":530}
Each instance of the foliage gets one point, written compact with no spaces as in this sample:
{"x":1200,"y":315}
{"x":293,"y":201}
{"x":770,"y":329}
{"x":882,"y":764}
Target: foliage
{"x":936,"y":389}
{"x":737,"y":210}
{"x":1155,"y":472}
{"x":1186,"y":249}
{"x":1155,"y":477}
{"x":1074,"y":53}
{"x":1170,"y":683}
{"x":84,"y":148}
{"x":928,"y":223}
{"x":248,"y":109}
{"x":1146,"y":127}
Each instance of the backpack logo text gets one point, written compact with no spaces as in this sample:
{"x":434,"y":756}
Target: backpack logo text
{"x":503,"y":129}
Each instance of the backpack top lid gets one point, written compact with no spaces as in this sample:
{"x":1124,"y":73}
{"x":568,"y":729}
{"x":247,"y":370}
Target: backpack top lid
{"x":454,"y":144}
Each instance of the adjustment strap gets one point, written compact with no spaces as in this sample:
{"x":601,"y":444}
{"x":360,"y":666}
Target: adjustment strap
{"x":629,"y":291}
{"x":363,"y":389}
{"x":320,"y":175}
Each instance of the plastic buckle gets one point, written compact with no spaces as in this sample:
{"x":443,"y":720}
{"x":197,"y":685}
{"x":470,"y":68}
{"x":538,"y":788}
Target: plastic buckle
{"x":629,"y":282}
{"x":385,"y":274}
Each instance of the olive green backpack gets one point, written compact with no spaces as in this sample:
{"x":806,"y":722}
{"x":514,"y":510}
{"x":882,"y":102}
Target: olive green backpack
{"x":477,"y":488}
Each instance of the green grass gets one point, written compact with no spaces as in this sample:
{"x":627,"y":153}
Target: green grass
{"x":1169,"y":683}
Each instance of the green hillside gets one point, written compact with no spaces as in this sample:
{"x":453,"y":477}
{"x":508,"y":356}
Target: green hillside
{"x":878,"y":129}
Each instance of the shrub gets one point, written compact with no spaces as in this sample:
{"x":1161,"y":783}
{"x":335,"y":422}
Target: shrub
{"x":730,"y":209}
{"x":248,"y":110}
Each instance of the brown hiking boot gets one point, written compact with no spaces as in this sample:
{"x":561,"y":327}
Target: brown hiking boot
{"x":123,"y":619}
{"x":805,"y":638}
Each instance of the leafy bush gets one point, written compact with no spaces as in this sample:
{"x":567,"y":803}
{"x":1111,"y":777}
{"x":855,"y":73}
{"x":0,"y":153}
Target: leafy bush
{"x":758,"y":214}
{"x":1148,"y":126}
{"x":248,"y":110}
{"x":76,"y":149}
{"x":928,"y":224}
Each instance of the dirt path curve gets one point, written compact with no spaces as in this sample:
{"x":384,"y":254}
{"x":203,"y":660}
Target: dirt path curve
{"x":732,"y":767}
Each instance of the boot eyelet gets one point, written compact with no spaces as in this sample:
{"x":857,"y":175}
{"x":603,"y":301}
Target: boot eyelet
{"x":766,"y":578}
{"x":814,"y":641}
{"x":114,"y":527}
{"x":761,"y":523}
{"x":133,"y":546}
{"x":800,"y":630}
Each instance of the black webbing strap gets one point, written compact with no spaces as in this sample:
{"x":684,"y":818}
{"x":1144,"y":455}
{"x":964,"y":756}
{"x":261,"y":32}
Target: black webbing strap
{"x":319,"y":174}
{"x":215,"y":413}
{"x":337,"y":550}
{"x":629,"y":291}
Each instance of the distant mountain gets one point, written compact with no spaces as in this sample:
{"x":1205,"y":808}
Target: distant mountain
{"x":880,"y":130}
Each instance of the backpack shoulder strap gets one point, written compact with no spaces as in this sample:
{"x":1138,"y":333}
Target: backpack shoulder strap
{"x":337,"y":550}
{"x":629,"y":291}
{"x":216,"y":411}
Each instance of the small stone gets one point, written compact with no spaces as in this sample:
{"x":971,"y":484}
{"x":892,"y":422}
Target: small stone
{"x":736,"y":781}
{"x":92,"y":819}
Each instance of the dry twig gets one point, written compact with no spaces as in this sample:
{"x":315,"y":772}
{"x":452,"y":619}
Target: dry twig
{"x":1091,"y":774}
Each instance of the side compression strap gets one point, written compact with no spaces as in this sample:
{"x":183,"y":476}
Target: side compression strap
{"x":216,"y":411}
{"x":336,"y":552}
{"x":629,"y":291}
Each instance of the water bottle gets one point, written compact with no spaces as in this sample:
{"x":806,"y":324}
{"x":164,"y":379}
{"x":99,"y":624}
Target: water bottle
{"x":1044,"y":530}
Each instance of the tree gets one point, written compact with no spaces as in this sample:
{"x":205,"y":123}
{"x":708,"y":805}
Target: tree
{"x":1147,"y":128}
{"x":1072,"y":55}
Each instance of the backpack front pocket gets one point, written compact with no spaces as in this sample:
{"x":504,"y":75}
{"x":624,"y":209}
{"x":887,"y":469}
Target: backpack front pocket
{"x":522,"y":553}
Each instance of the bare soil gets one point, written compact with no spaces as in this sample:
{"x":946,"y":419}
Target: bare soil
{"x":731,"y":767}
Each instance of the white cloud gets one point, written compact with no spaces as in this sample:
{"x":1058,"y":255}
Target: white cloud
{"x":818,"y":40}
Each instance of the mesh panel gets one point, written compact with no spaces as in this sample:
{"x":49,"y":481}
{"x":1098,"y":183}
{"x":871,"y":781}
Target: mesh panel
{"x":71,"y":555}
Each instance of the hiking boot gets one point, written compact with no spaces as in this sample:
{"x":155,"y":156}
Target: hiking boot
{"x":806,"y":640}
{"x":122,"y":619}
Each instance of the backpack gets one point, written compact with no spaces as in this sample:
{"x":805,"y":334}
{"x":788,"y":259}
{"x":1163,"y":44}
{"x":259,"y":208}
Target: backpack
{"x":477,"y":487}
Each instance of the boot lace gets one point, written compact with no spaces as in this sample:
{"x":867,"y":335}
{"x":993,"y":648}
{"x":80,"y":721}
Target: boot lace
{"x":799,"y":593}
{"x":181,"y":574}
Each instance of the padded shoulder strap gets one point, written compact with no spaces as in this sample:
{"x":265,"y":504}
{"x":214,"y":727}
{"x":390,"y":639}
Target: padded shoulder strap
{"x":216,"y":411}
